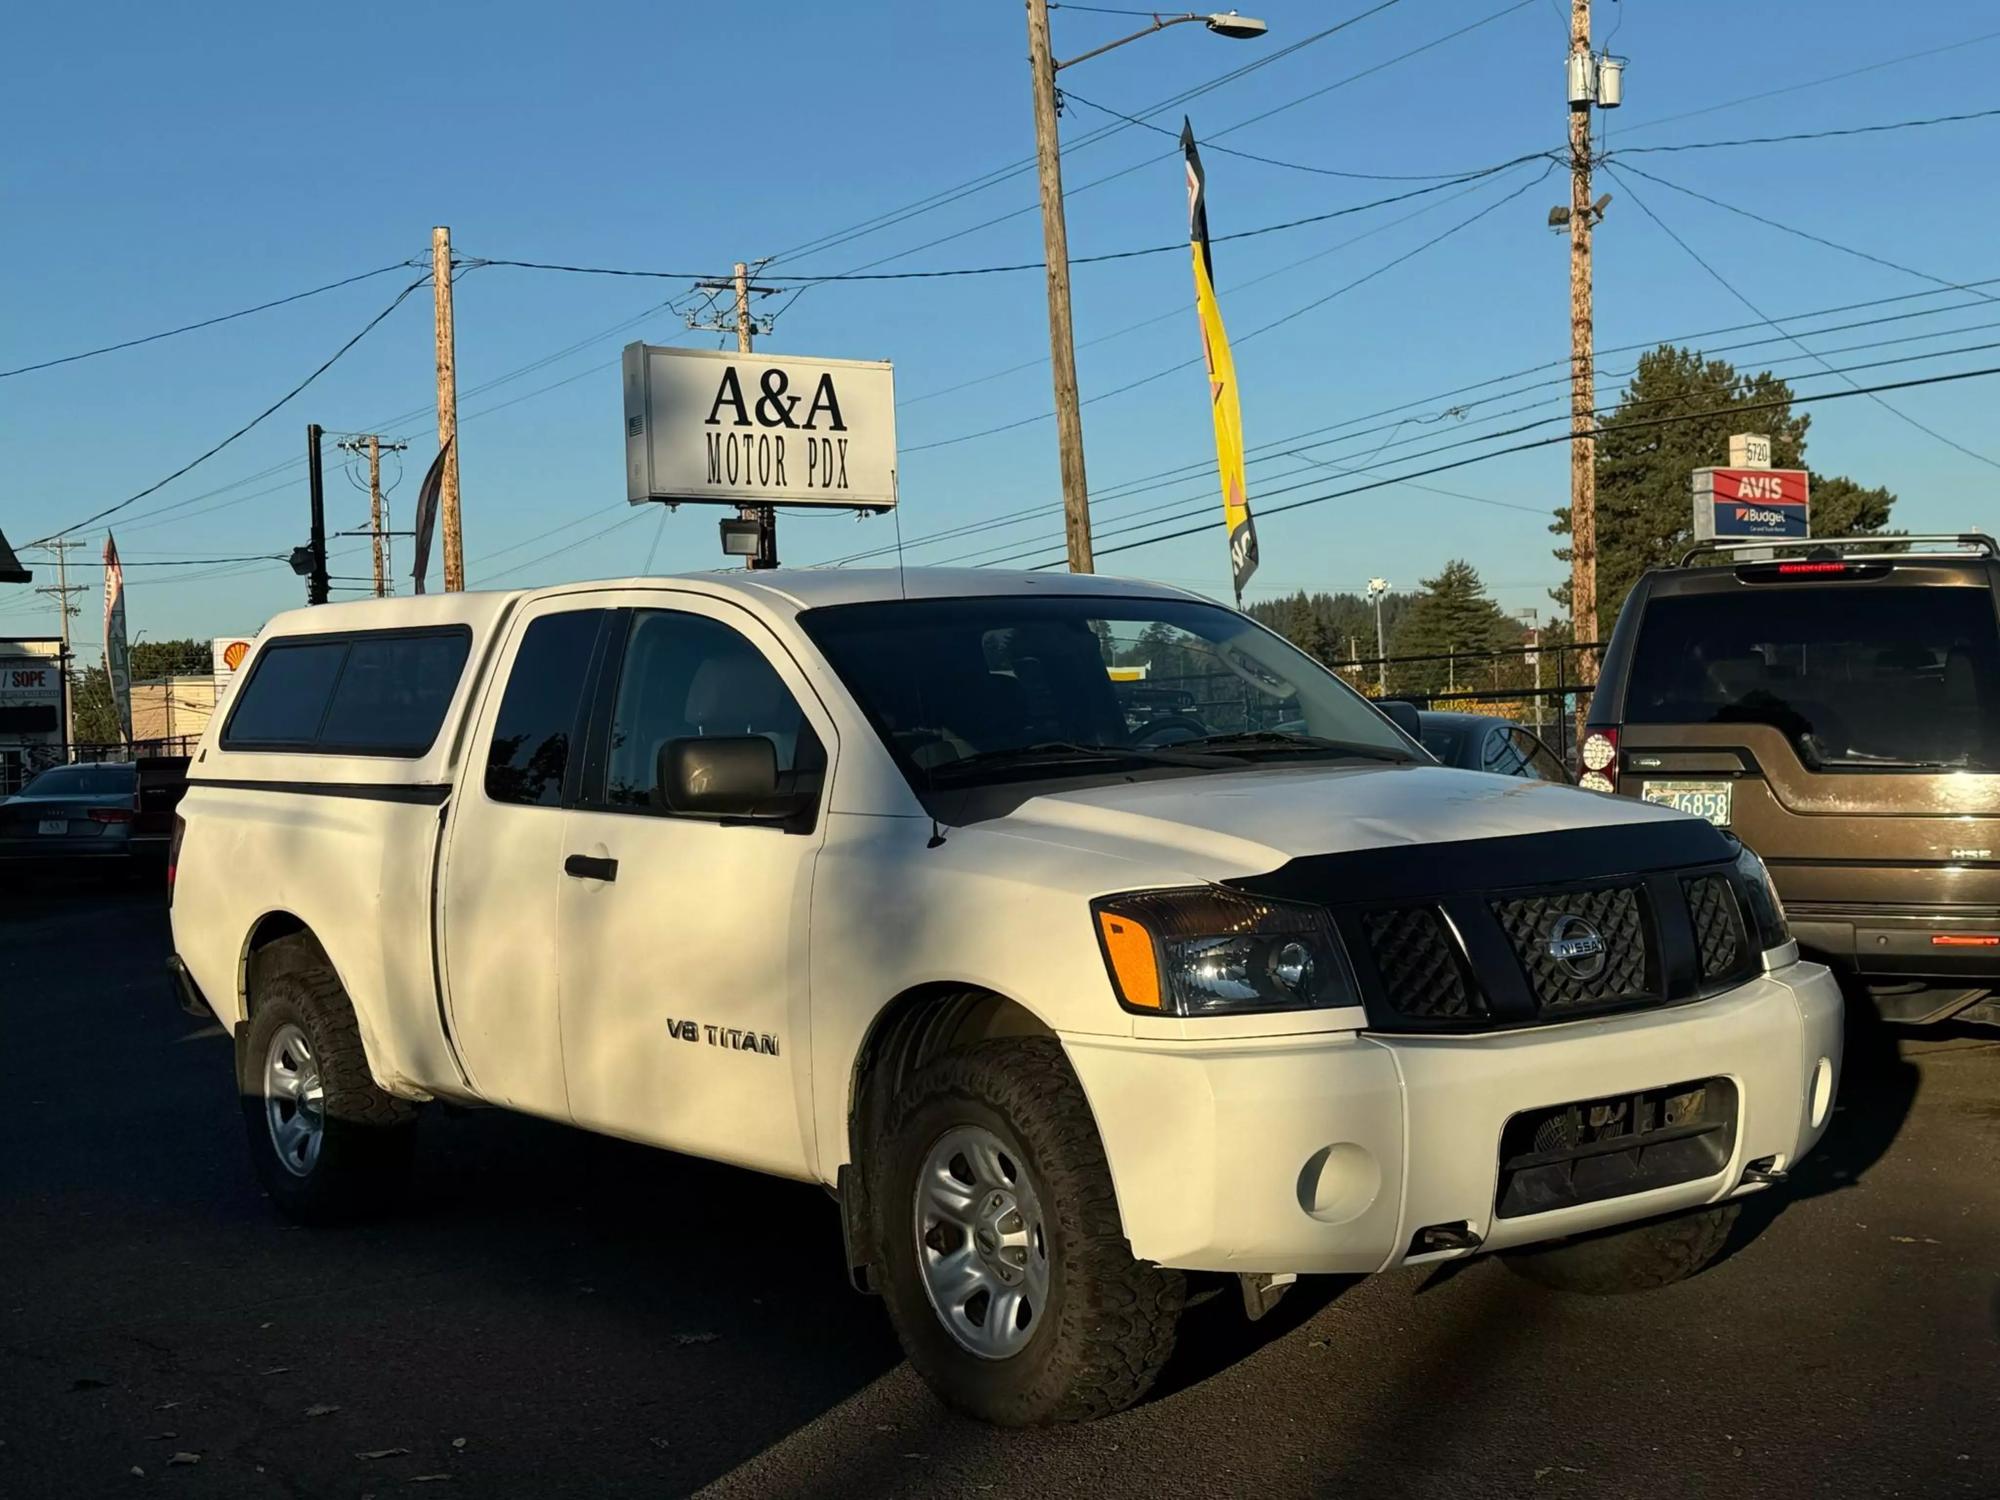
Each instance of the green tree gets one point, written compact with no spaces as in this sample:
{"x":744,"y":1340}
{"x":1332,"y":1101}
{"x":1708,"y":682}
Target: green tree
{"x":1676,"y":416}
{"x":1453,"y":616}
{"x":181,"y":658}
{"x":90,"y":708}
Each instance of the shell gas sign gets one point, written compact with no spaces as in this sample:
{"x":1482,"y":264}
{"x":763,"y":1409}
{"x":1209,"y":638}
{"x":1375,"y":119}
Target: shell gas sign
{"x":231,"y":651}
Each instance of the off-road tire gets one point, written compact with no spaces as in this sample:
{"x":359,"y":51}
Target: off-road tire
{"x":1109,"y":1324}
{"x":364,"y":1157}
{"x":1636,"y":1258}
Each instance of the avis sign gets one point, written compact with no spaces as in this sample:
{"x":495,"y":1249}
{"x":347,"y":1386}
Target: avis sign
{"x":758,"y":429}
{"x":1751,"y":504}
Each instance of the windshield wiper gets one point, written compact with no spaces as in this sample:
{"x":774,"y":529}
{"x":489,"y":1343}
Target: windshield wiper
{"x":1257,"y":741}
{"x":1057,"y":751}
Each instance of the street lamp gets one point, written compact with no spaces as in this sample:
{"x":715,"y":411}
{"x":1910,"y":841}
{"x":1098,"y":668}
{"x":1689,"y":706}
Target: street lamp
{"x":1055,"y":248}
{"x":1377,"y":587}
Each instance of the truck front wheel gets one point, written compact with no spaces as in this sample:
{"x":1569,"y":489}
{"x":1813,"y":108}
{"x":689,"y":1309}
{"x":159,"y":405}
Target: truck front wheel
{"x":1008,"y":1276}
{"x":327,"y":1144}
{"x":1636,"y":1258}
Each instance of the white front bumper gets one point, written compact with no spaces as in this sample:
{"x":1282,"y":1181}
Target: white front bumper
{"x":1327,"y":1153}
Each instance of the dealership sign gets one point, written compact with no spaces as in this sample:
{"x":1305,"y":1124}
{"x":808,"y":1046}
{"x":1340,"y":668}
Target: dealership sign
{"x":756,"y":429}
{"x":1750,"y":504}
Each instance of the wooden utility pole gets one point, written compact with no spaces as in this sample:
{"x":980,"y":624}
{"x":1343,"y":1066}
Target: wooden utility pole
{"x":375,"y":505}
{"x":447,"y":378}
{"x":378,"y":525}
{"x":1583,"y":378}
{"x":766,"y":516}
{"x":1055,"y":251}
{"x":64,"y":610}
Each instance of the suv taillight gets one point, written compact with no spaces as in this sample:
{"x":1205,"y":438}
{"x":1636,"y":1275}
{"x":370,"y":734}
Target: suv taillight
{"x":174,"y":854}
{"x":1599,"y":759}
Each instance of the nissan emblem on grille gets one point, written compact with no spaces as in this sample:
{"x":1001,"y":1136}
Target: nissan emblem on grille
{"x":1577,"y":946}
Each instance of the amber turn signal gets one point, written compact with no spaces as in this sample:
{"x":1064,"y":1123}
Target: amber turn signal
{"x":1129,"y":947}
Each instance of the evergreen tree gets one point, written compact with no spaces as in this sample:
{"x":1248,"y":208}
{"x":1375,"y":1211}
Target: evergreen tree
{"x":1645,"y":467}
{"x":1453,"y":616}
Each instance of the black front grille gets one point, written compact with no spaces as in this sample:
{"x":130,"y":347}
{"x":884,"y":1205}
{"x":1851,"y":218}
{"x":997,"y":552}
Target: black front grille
{"x":1581,"y":949}
{"x":1494,"y":933}
{"x":1718,"y":926}
{"x":1423,"y":975}
{"x":1566,"y":1154}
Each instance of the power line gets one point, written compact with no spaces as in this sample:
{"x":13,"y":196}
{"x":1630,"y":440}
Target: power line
{"x":1071,"y":96}
{"x":992,"y":177}
{"x":1562,"y":437}
{"x":1803,"y":234}
{"x":1727,"y":286}
{"x":1811,"y":83}
{"x":1277,"y":447}
{"x":1241,"y":339}
{"x":1620,"y":416}
{"x":151,"y":338}
{"x":366,"y":329}
{"x":1812,"y":135}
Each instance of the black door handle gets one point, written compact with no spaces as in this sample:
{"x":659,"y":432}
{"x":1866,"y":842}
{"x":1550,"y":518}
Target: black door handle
{"x":584,"y":867}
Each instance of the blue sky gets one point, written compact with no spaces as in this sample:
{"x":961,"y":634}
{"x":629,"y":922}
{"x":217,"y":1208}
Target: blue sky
{"x":172,"y":164}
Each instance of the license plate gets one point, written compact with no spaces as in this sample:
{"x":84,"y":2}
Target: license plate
{"x":1705,"y":799}
{"x":53,"y":825}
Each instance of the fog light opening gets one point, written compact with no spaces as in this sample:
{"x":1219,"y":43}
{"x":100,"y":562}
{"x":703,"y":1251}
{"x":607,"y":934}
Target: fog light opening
{"x":1822,"y":1092}
{"x":1339,"y":1183}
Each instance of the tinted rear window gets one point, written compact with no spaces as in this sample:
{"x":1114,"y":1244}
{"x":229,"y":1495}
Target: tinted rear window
{"x":82,"y":781}
{"x":538,"y":721}
{"x":1859,"y":676}
{"x":382,"y":693}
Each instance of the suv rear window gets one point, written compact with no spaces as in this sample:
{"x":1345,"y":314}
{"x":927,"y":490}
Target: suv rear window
{"x":1859,"y":676}
{"x":373,"y":693}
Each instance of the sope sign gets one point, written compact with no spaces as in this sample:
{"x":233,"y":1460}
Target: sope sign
{"x":1751,"y":504}
{"x":703,"y":425}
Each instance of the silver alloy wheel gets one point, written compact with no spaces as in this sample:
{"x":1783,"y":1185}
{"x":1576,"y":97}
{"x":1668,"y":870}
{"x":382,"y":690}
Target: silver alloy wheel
{"x":982,"y":1246}
{"x":294,"y":1099}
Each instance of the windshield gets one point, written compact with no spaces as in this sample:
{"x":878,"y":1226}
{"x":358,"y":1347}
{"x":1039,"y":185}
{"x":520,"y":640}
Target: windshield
{"x":973,"y":691}
{"x":1858,"y":676}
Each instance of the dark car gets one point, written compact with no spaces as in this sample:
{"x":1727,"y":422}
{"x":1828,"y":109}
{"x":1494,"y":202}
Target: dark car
{"x":1837,"y":705}
{"x":1476,"y":742}
{"x":81,"y":812}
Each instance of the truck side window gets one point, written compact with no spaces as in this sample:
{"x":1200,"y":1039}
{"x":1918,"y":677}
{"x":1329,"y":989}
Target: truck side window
{"x":285,"y":698}
{"x":538,"y":722}
{"x":687,"y":676}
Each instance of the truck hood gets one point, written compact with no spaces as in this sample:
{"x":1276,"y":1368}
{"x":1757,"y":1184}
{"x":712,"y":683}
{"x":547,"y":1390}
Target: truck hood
{"x":1246,"y":822}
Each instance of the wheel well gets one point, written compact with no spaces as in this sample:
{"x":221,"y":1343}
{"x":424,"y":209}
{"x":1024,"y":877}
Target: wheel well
{"x":917,"y":1026}
{"x":279,"y":944}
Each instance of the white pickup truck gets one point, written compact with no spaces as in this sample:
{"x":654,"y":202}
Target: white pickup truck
{"x":1082,"y":936}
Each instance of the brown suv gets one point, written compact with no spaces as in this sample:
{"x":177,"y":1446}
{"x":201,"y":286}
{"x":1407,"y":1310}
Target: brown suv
{"x":1836,"y":704}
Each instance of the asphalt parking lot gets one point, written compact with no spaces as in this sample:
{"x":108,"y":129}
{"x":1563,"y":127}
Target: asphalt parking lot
{"x":564,"y":1316}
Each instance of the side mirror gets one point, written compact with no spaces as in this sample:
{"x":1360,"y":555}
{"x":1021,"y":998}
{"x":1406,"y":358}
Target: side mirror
{"x":727,"y":776}
{"x":1404,"y":716}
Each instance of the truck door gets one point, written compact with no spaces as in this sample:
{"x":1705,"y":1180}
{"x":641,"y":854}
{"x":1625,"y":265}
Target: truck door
{"x":683,"y":938}
{"x":503,"y":858}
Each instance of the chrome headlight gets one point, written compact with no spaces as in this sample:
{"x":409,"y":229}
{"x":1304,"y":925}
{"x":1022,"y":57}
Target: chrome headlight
{"x":1207,"y":950}
{"x":1767,"y":911}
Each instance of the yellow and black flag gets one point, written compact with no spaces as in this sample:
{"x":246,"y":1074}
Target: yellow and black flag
{"x":1221,"y":378}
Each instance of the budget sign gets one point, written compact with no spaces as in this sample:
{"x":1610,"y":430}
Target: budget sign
{"x":1751,"y":504}
{"x":758,"y":429}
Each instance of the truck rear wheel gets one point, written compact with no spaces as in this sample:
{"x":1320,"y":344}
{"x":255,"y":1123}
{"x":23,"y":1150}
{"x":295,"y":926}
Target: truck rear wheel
{"x":327,"y":1144}
{"x":1636,"y":1258}
{"x":1007,"y":1273}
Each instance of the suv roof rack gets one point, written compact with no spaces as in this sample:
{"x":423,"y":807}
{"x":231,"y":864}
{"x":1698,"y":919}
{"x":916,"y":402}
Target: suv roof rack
{"x":1951,"y":544}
